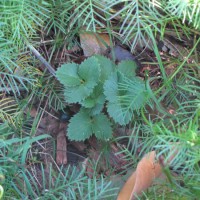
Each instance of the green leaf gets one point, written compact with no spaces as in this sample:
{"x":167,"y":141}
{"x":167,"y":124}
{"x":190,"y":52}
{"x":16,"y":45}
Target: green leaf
{"x":89,"y":71}
{"x":86,"y":11}
{"x":89,"y":102}
{"x":76,"y":94}
{"x":97,"y":108}
{"x":102,"y":127}
{"x":67,"y":75}
{"x":111,"y":87}
{"x":124,"y":96}
{"x":82,"y":126}
{"x":107,"y":67}
{"x":136,"y":93}
{"x":92,"y":102}
{"x":79,"y":80}
{"x":97,"y":97}
{"x":128,"y":68}
{"x":28,"y":143}
{"x":119,"y":114}
{"x":136,"y":25}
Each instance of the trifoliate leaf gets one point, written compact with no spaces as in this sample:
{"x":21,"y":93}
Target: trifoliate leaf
{"x":128,"y":68}
{"x":67,"y":75}
{"x":81,"y":81}
{"x":102,"y":127}
{"x":80,"y":127}
{"x":107,"y":67}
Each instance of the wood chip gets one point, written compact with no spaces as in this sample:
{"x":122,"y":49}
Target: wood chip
{"x":61,"y":151}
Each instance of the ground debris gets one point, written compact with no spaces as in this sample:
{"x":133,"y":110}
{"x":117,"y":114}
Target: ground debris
{"x":61,"y":150}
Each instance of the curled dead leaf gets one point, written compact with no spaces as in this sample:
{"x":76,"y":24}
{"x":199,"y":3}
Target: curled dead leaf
{"x":147,"y":170}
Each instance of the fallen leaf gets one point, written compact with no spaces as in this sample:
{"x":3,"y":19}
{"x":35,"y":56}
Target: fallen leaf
{"x":147,"y":170}
{"x":94,"y":43}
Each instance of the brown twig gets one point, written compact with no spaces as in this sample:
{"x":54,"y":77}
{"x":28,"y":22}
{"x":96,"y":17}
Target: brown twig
{"x":41,"y":58}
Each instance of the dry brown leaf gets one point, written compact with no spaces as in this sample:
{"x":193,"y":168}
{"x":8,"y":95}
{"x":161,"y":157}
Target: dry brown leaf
{"x":94,"y":43}
{"x":147,"y":170}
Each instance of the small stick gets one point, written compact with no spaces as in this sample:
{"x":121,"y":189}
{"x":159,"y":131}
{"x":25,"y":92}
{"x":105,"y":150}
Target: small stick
{"x":41,"y":58}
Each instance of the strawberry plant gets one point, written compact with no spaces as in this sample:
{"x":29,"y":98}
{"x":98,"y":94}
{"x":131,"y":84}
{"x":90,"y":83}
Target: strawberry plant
{"x":98,"y":83}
